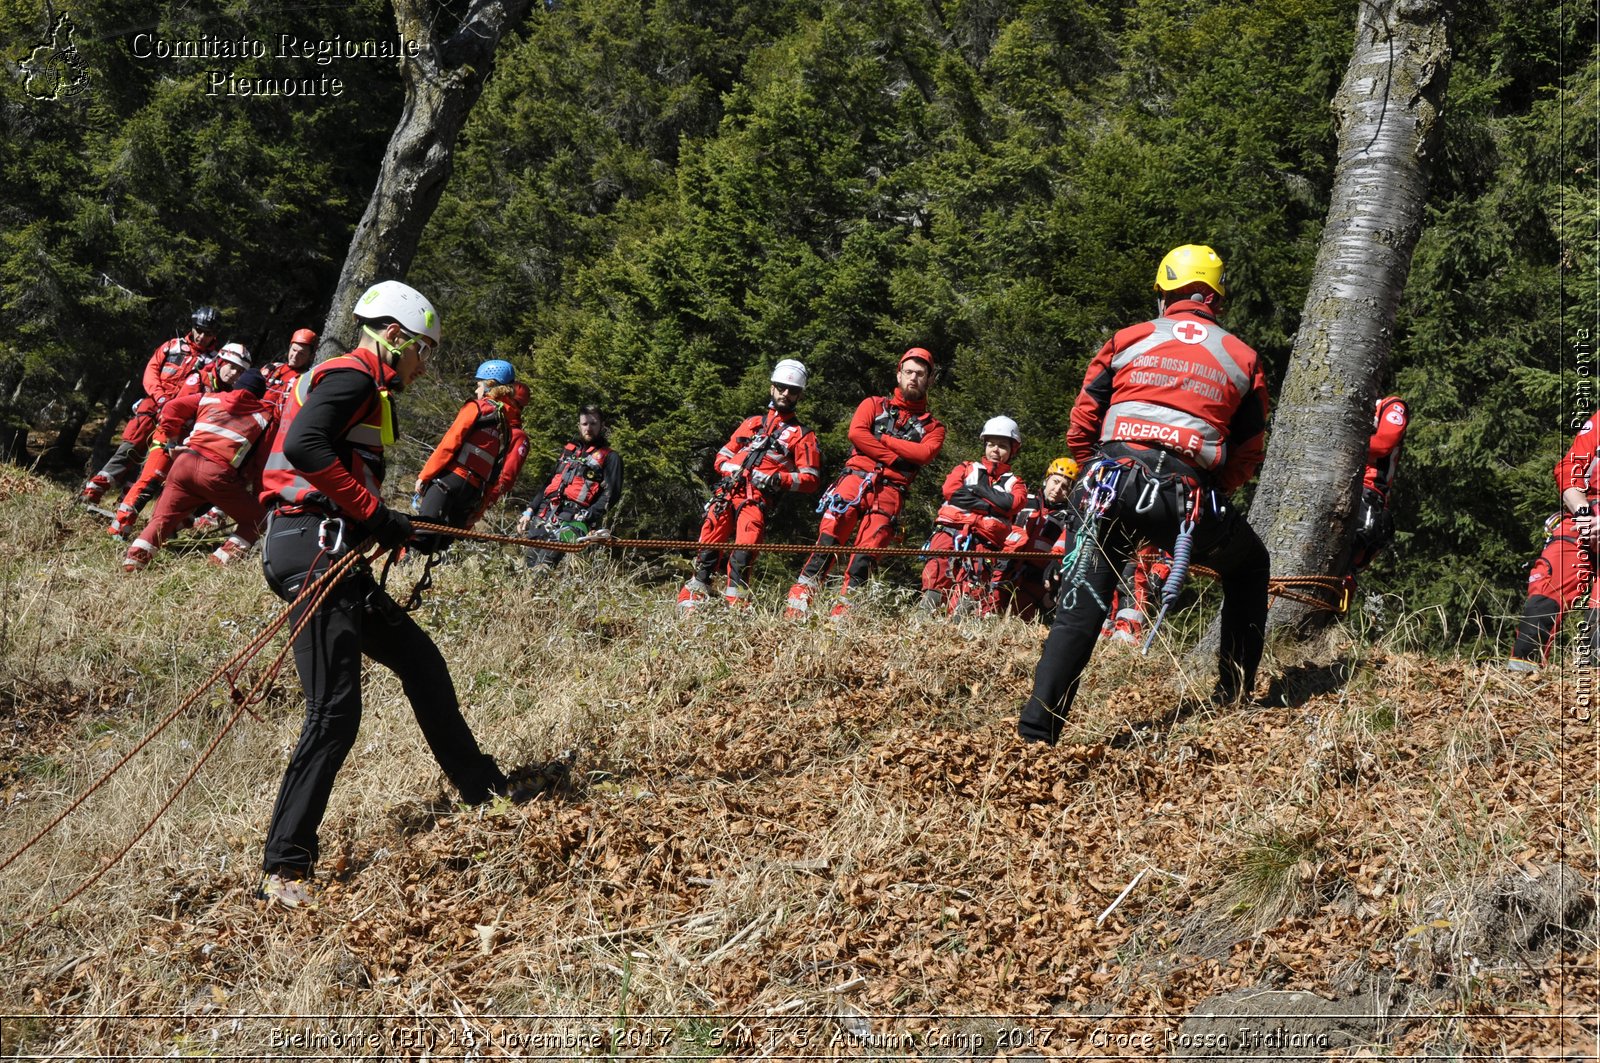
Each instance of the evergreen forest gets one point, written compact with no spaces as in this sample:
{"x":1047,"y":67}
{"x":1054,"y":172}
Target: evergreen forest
{"x":655,"y":200}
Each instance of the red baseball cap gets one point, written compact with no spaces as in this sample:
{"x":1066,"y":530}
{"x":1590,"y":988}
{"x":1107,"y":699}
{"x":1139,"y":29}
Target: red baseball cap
{"x":920,"y":354}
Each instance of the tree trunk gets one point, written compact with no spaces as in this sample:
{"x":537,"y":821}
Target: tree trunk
{"x":442,"y":84}
{"x":60,"y":453}
{"x":1387,"y":111}
{"x":116,"y":416}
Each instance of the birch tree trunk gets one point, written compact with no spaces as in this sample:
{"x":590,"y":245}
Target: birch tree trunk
{"x":442,"y":84}
{"x":1387,"y":110}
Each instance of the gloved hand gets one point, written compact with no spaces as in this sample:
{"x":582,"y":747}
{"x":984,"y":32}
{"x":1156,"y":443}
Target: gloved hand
{"x":765,"y":481}
{"x":523,"y":521}
{"x":389,"y":527}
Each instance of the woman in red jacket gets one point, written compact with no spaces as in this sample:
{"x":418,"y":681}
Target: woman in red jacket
{"x":453,"y":487}
{"x":981,"y":499}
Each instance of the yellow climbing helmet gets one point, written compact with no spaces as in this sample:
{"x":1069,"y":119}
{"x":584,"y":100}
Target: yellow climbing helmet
{"x":1191,"y":264}
{"x":1063,"y":465}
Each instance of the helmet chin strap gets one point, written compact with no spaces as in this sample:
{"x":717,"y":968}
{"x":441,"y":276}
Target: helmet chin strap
{"x":392,"y":351}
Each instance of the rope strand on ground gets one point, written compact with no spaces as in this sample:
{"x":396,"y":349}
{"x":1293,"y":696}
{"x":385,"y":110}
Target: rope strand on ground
{"x":313,"y":595}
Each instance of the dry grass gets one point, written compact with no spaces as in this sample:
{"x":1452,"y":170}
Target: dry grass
{"x":804,"y":827}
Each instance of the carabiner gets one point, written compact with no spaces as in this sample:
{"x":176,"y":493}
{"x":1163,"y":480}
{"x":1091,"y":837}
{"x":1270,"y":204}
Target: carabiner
{"x":338,"y":535}
{"x":1147,"y":497}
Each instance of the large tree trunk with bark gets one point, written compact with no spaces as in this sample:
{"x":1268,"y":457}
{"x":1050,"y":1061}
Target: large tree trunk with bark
{"x":442,"y":84}
{"x":1387,"y":110}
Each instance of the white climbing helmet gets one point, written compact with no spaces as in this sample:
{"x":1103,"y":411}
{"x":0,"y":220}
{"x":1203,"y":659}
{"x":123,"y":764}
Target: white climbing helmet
{"x":235,"y":354}
{"x":1002,"y":428}
{"x":403,"y":303}
{"x":789,"y":372}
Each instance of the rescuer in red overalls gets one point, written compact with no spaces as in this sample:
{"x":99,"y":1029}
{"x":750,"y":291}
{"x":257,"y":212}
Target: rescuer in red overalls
{"x":165,"y":372}
{"x":892,"y":437}
{"x":280,"y":376}
{"x":768,"y":454}
{"x":323,"y":484}
{"x":219,"y":463}
{"x":1028,"y":587}
{"x":981,"y":499}
{"x":454,"y":485}
{"x":171,"y":427}
{"x":586,"y":483}
{"x":1563,"y":574}
{"x":1374,"y":522}
{"x":1173,"y":417}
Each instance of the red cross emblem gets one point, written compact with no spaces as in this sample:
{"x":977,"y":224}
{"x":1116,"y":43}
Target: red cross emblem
{"x":1191,"y":332}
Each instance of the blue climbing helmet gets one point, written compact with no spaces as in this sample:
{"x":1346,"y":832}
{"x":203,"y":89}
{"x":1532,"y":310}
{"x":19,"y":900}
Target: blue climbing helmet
{"x":498,"y":370}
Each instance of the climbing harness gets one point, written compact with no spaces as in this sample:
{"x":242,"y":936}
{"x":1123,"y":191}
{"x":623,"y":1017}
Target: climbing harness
{"x":835,"y":503}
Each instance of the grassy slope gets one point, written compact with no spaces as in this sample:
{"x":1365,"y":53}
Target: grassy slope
{"x":761,"y":817}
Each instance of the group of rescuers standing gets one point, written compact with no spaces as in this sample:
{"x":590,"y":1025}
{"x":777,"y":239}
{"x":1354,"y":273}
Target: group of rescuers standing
{"x":1170,"y":420}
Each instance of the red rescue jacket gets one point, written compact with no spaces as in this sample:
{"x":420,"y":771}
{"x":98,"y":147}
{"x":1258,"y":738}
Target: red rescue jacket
{"x":179,"y":411}
{"x":1383,"y":449}
{"x":988,"y":509}
{"x":228,"y":427}
{"x":1182,"y":383}
{"x":516,"y":454}
{"x":580,"y":474}
{"x":894,"y":437}
{"x":783,"y":449}
{"x":280,"y":378}
{"x":473,"y":445}
{"x":171,"y":363}
{"x":351,"y":485}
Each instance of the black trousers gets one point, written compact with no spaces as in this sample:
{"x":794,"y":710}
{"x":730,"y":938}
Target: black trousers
{"x":539,"y":531}
{"x":449,"y":500}
{"x":1152,"y":507}
{"x":357,"y":618}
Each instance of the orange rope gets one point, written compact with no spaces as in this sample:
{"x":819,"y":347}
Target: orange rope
{"x":1278,"y":586}
{"x":313,"y":594}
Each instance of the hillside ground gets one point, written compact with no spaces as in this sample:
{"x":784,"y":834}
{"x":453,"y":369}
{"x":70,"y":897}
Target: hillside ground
{"x":767,"y":838}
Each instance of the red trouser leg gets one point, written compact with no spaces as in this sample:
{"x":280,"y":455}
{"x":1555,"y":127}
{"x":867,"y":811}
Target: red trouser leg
{"x":177,"y":501}
{"x":1563,"y":571}
{"x":876,"y":530}
{"x":718,"y":527}
{"x":836,"y":528}
{"x":751,"y":522}
{"x":142,"y":425}
{"x":936,"y":573}
{"x":1560,"y":578}
{"x":226,"y":487}
{"x":154,"y":472}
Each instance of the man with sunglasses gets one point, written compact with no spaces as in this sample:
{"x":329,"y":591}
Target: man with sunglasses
{"x":323,"y":483}
{"x":769,"y":453}
{"x":172,"y":363}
